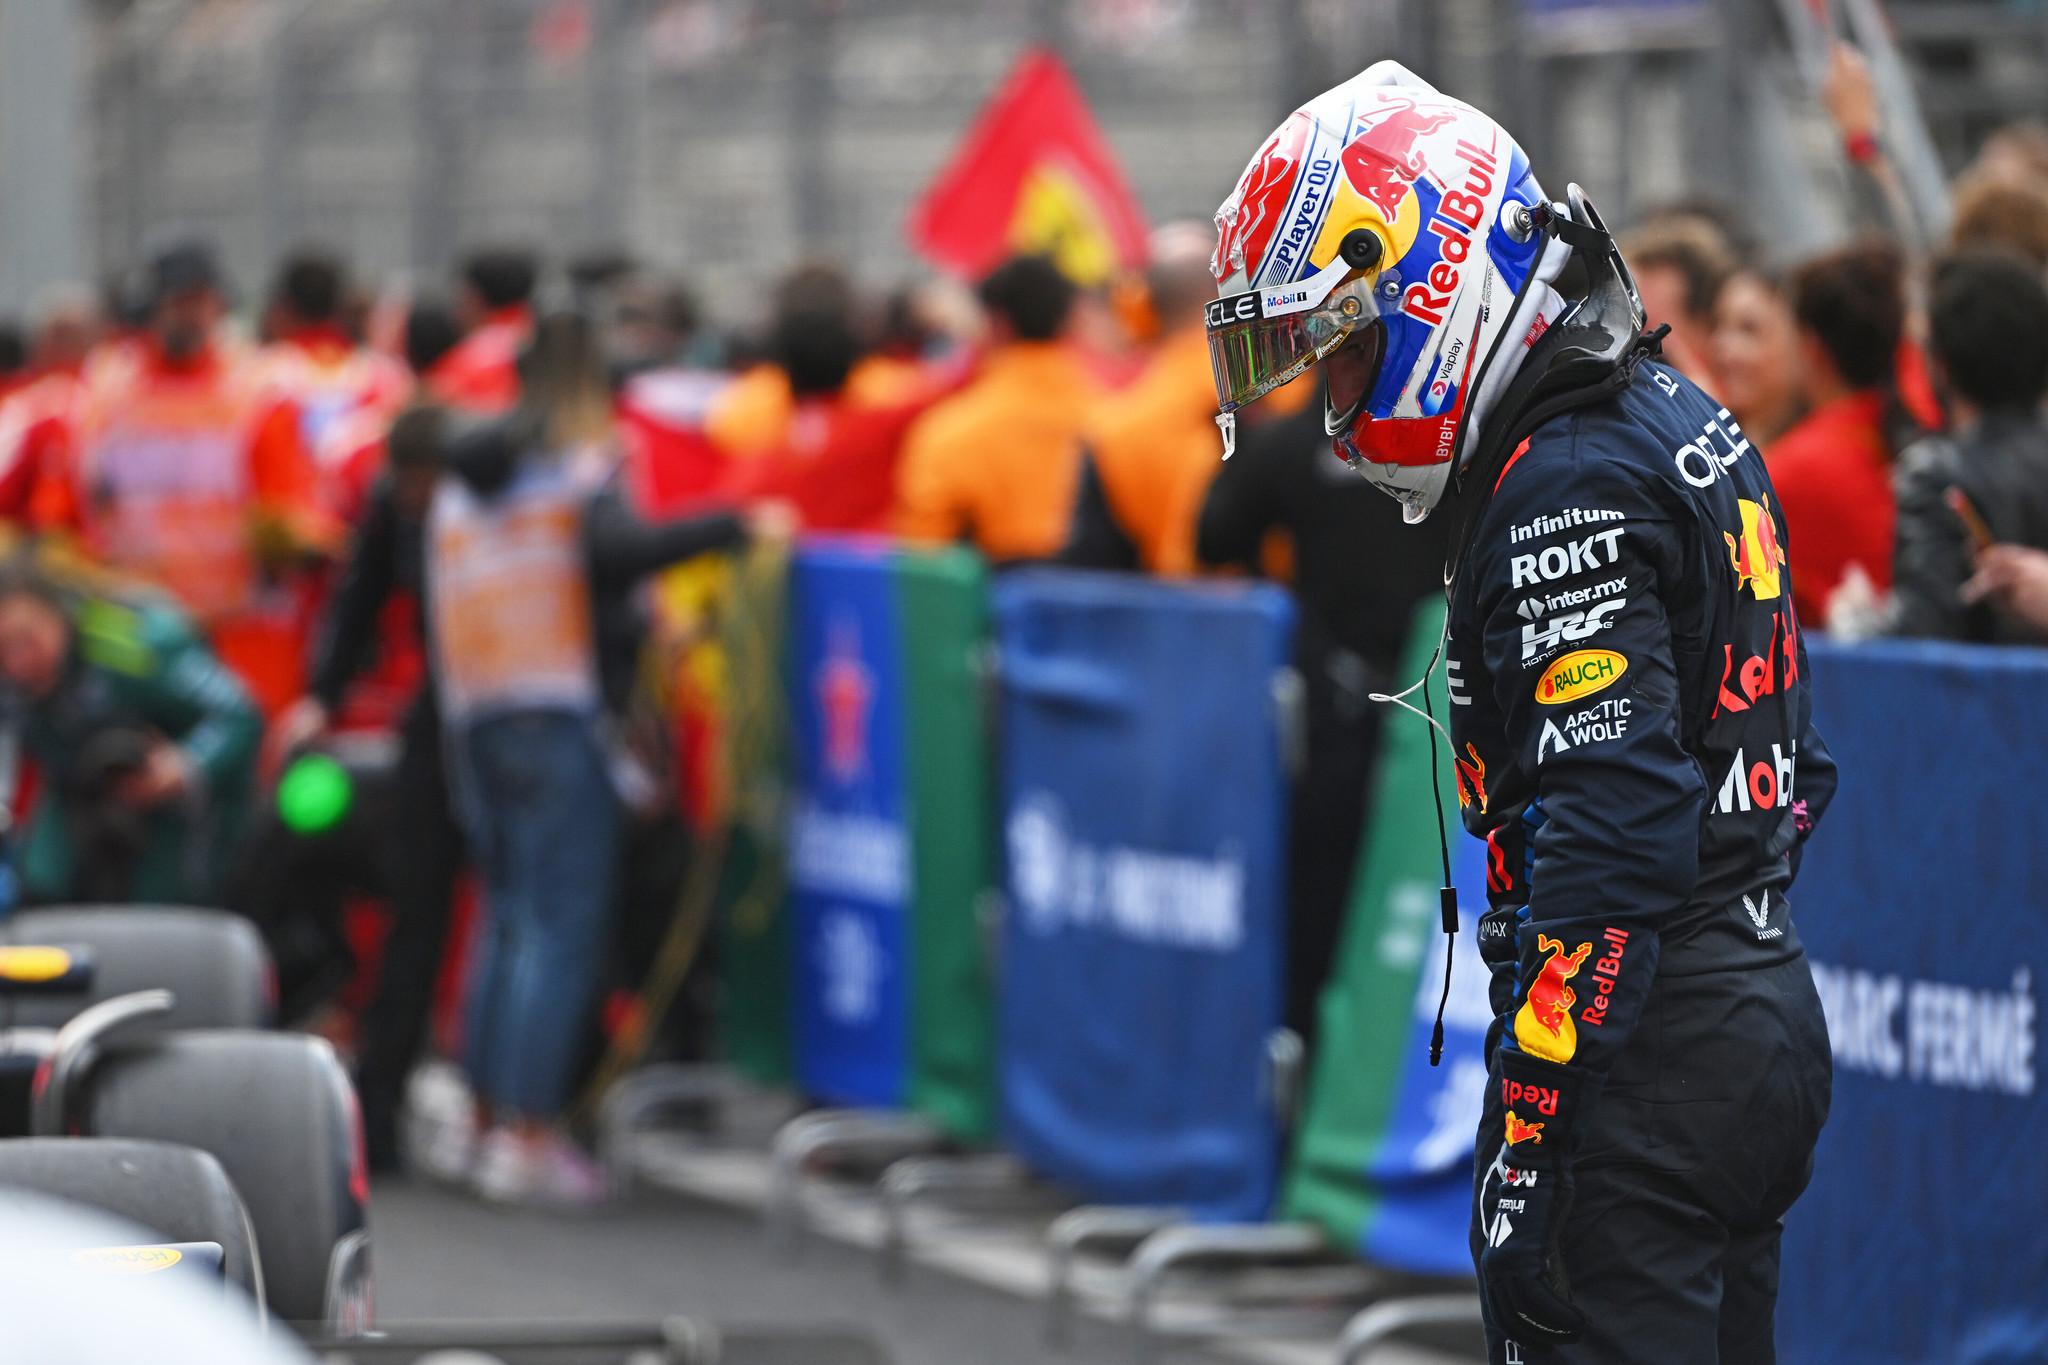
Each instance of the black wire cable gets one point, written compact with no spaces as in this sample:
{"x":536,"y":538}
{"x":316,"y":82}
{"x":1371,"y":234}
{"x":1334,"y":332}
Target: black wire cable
{"x":1447,"y":895}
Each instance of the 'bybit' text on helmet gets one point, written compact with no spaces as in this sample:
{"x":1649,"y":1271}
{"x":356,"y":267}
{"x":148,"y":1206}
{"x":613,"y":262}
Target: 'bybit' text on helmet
{"x":1397,"y":237}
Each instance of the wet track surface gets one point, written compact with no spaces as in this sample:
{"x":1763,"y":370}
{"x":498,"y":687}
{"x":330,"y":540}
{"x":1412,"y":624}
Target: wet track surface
{"x":441,"y":1256}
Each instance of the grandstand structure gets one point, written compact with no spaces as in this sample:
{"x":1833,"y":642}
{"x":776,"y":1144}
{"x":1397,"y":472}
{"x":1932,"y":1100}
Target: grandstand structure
{"x":725,"y":138}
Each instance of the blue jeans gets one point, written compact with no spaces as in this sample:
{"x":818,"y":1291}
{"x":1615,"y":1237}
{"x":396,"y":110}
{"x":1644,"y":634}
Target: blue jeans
{"x":543,"y":823}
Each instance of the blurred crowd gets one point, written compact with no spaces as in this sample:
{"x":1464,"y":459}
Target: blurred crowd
{"x":344,"y":598}
{"x":1894,"y":386}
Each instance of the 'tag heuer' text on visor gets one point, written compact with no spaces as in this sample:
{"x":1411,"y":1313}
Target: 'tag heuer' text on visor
{"x":1263,"y":338}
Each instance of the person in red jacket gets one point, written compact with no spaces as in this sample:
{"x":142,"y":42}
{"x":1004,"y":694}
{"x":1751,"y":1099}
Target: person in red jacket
{"x":33,"y":431}
{"x":186,"y":468}
{"x":1833,"y":471}
{"x":836,"y":461}
{"x":496,"y":307}
{"x":337,"y":383}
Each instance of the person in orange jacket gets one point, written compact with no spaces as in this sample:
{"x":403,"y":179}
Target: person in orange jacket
{"x":186,"y":468}
{"x":1154,"y":449}
{"x":997,"y":463}
{"x":496,"y":307}
{"x":337,"y":383}
{"x":836,"y":463}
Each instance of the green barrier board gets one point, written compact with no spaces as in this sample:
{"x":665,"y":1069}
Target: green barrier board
{"x":943,"y":601}
{"x":1366,"y":1012}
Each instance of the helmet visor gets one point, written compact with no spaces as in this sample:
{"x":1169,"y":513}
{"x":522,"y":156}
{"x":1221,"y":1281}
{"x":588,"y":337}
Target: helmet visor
{"x":1264,"y":338}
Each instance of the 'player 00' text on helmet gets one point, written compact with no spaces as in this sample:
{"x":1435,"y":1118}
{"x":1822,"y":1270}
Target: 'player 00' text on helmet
{"x":1384,"y":231}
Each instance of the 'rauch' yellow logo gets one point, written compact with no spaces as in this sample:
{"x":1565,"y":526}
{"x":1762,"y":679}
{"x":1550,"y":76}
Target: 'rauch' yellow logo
{"x":1579,"y":674}
{"x":128,"y":1260}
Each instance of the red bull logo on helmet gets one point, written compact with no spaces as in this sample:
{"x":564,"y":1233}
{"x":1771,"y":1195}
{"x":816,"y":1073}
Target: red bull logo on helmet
{"x":1332,"y":166}
{"x":1382,"y":163}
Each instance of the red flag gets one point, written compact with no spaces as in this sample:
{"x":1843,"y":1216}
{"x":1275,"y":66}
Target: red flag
{"x":1034,"y":173}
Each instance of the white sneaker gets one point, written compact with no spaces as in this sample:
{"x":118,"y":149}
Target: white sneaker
{"x":503,"y":1172}
{"x":562,"y":1175}
{"x":438,"y":1124}
{"x":543,"y":1170}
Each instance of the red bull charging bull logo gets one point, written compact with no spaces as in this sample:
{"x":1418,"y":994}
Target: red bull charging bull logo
{"x":1382,"y":164}
{"x":1519,"y":1132}
{"x":1333,"y":167}
{"x":1757,"y":557}
{"x":1543,"y":1026}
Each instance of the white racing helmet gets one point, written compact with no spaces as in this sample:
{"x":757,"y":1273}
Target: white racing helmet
{"x":1390,"y":234}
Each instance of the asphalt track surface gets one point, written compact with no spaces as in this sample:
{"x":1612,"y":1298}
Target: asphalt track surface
{"x":442,"y":1257}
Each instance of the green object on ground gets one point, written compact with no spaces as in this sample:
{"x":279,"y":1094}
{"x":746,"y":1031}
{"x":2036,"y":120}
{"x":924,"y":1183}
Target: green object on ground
{"x":314,"y":795}
{"x":1366,"y":1011}
{"x":942,"y":598}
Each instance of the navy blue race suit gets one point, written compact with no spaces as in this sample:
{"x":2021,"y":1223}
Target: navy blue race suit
{"x":1631,"y":719}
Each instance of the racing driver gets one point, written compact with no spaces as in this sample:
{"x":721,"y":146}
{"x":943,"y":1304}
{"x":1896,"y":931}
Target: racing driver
{"x":1629,"y":708}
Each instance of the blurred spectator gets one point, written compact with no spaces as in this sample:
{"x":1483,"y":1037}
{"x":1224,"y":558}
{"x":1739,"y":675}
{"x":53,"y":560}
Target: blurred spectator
{"x":1359,"y":573}
{"x":836,"y":463}
{"x":127,"y":297}
{"x":2015,"y":579}
{"x":431,"y":331}
{"x":595,"y":276}
{"x":751,"y":416}
{"x":1754,"y":351}
{"x":353,"y":452}
{"x":687,"y":431}
{"x":1881,"y":202}
{"x":647,"y":323}
{"x":1733,"y":230}
{"x":387,"y":563}
{"x":1099,"y":331}
{"x":998,"y":462}
{"x":530,"y":555}
{"x":1989,"y":322}
{"x":34,"y":421}
{"x":14,"y":367}
{"x":188,"y":470}
{"x":915,"y":350}
{"x":1680,"y":263}
{"x":897,"y":369}
{"x":1991,"y":214}
{"x":313,"y":357}
{"x":66,"y":322}
{"x":1833,"y":470}
{"x":145,"y":743}
{"x":495,"y":308}
{"x":1154,"y":447}
{"x":2016,"y":154}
